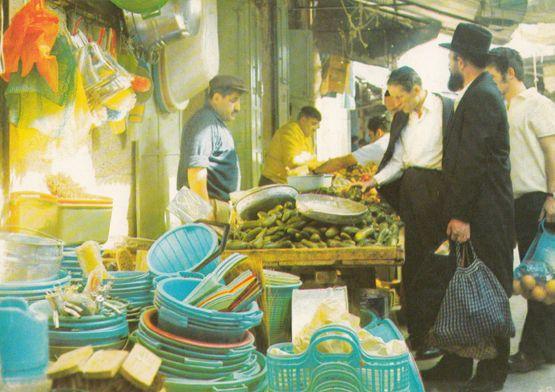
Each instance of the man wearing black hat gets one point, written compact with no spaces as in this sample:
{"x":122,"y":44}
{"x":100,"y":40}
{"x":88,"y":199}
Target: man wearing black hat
{"x":208,"y":162}
{"x":479,"y":196}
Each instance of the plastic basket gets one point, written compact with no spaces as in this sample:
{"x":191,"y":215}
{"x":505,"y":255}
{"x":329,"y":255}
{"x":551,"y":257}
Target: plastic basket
{"x":183,"y":249}
{"x":59,"y":217}
{"x":297,"y":372}
{"x":277,"y":312}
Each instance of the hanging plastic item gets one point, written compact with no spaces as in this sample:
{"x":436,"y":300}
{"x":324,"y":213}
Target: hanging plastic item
{"x":34,"y":83}
{"x":30,"y":38}
{"x":28,"y":151}
{"x":103,"y":76}
{"x":534,"y":278}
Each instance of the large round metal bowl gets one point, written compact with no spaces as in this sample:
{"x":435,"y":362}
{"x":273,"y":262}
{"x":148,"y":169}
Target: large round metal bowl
{"x":263,"y":199}
{"x":330,"y":209}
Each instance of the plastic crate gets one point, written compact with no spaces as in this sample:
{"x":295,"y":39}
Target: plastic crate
{"x":72,"y":221}
{"x":299,"y":372}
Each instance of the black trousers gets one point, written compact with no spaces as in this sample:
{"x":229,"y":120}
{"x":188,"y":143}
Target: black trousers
{"x":538,"y":335}
{"x":425,"y":276}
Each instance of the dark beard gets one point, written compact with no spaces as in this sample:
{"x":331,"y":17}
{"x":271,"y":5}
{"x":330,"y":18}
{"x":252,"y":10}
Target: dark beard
{"x":456,"y":82}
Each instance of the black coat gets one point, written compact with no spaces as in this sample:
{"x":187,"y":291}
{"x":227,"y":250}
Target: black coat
{"x":390,"y":192}
{"x":476,"y":169}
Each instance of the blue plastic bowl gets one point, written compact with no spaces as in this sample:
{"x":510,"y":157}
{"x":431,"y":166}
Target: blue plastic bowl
{"x":187,"y":318}
{"x":34,"y":286}
{"x":173,"y":291}
{"x":183,"y":248}
{"x":89,"y":336}
{"x":176,"y":324}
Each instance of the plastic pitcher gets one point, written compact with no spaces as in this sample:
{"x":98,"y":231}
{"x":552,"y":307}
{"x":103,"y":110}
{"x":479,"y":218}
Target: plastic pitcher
{"x":23,"y":341}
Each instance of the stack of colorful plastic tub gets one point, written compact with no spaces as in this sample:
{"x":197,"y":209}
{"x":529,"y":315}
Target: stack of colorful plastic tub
{"x":106,"y":330}
{"x":136,"y":289}
{"x":183,"y":319}
{"x":33,"y":290}
{"x":71,"y":265}
{"x":195,"y":365}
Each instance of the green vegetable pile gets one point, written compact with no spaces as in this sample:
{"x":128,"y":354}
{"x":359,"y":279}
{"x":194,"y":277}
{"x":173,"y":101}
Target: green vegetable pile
{"x":284,"y":227}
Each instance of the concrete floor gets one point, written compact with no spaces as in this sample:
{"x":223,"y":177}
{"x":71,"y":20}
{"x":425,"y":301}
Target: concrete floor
{"x":541,"y":380}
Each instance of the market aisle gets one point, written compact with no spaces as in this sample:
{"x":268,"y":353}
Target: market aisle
{"x":542,"y":380}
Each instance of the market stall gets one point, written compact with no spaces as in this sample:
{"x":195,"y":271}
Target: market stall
{"x":325,"y":239}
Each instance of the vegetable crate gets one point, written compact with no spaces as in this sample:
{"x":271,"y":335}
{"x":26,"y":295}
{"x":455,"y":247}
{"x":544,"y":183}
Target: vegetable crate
{"x":356,"y":371}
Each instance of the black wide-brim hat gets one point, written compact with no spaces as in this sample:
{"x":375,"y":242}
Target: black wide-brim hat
{"x":470,"y":38}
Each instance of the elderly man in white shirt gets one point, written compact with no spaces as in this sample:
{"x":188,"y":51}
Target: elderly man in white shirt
{"x":410,"y":179}
{"x":532,"y":140}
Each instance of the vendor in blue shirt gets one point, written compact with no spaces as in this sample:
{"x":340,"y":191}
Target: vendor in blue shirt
{"x":208,"y":162}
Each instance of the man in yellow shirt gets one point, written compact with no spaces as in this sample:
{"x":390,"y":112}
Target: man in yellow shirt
{"x":292,"y":146}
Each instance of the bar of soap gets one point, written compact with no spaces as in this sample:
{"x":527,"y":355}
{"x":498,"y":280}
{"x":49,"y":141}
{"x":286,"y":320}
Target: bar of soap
{"x":140,"y":367}
{"x":103,"y":364}
{"x":70,"y":362}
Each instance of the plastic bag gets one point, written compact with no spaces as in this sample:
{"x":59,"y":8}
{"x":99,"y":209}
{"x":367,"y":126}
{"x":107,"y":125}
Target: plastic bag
{"x":189,"y":207}
{"x":29,"y":38}
{"x":331,"y":312}
{"x":534,"y":278}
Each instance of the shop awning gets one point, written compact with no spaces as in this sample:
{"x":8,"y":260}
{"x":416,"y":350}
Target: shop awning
{"x":372,"y":31}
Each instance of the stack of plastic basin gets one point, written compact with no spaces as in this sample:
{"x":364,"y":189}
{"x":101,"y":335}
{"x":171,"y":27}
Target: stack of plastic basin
{"x":135,"y":288}
{"x":34,"y":290}
{"x":106,"y":330}
{"x":183,"y":319}
{"x":71,"y":265}
{"x":196,"y":365}
{"x":183,"y":249}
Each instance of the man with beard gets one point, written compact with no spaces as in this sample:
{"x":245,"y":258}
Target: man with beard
{"x":532,"y":131}
{"x":410,"y":179}
{"x":479,"y":196}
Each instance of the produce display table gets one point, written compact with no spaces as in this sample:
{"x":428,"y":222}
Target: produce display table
{"x":369,"y":256}
{"x":356,"y":265}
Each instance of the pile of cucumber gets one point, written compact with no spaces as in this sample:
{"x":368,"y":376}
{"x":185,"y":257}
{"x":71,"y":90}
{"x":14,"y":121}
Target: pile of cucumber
{"x":284,"y":227}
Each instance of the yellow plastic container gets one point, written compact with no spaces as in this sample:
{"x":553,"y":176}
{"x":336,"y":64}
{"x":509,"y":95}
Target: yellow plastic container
{"x":73,"y":221}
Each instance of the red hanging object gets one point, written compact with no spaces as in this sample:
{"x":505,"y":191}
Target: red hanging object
{"x":30,"y":38}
